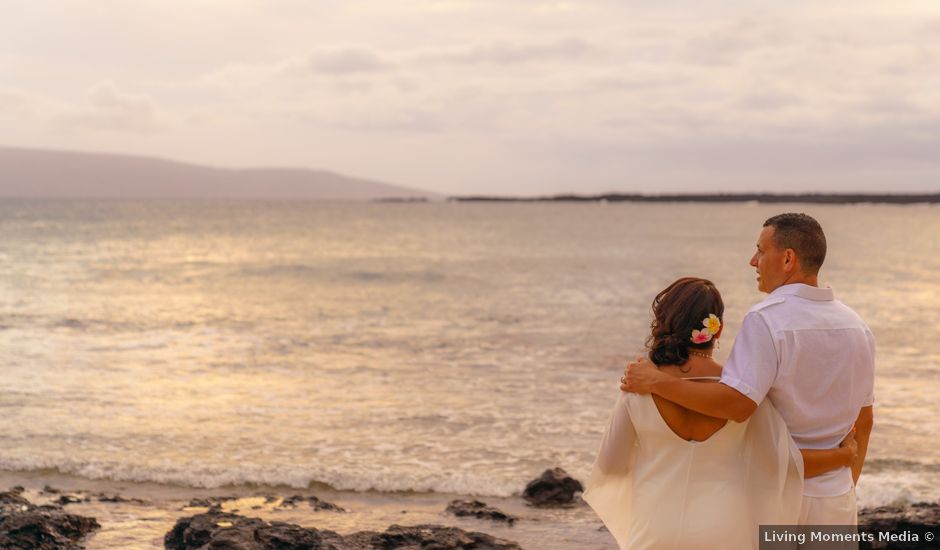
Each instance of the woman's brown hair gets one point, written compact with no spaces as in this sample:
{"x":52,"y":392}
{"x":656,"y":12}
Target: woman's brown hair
{"x":678,"y":310}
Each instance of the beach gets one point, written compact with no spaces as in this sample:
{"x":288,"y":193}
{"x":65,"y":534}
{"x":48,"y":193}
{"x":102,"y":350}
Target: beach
{"x":148,"y":515}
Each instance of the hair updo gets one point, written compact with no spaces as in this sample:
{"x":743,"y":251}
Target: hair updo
{"x":678,"y":310}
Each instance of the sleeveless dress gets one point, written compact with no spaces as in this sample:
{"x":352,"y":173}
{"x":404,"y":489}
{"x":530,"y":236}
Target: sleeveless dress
{"x":655,"y":490}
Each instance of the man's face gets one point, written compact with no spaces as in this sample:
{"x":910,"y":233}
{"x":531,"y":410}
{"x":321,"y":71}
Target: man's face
{"x":770,"y":262}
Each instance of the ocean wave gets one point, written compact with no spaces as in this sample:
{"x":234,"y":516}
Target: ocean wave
{"x":70,"y":322}
{"x":360,"y":480}
{"x":892,"y":482}
{"x":897,"y":487}
{"x":899,"y":464}
{"x":338,"y":274}
{"x":280,"y":270}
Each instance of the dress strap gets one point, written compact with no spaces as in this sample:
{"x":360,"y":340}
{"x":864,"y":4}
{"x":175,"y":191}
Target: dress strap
{"x":716,"y":378}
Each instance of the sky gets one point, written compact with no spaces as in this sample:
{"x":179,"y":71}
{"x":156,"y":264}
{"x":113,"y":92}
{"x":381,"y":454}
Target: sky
{"x":503,"y":97}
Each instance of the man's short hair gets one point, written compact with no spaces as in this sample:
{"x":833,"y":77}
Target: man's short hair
{"x":804,"y":235}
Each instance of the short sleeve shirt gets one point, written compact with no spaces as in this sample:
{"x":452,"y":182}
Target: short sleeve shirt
{"x":814,"y":358}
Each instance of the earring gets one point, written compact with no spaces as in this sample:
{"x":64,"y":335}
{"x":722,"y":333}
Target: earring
{"x":717,"y":343}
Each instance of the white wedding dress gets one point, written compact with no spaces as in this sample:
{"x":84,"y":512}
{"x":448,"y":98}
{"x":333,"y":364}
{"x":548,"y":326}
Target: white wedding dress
{"x":654,"y":489}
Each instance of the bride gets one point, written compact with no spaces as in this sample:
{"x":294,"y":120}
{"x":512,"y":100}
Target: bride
{"x":668,"y":477}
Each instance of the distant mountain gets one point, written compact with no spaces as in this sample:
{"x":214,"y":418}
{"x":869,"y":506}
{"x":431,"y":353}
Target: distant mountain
{"x":59,"y":174}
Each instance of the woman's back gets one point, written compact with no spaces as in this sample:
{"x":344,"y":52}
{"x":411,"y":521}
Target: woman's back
{"x":688,"y":470}
{"x":686,"y":493}
{"x":687,"y":424}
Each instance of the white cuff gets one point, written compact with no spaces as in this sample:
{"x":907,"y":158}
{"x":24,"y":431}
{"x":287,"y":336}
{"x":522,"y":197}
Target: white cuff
{"x":739,"y":385}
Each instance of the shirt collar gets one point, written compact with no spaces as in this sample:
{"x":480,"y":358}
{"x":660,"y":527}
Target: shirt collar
{"x":814,"y":293}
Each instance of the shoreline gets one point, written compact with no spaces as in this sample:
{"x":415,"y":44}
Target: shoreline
{"x":759,"y":198}
{"x":142,"y":513}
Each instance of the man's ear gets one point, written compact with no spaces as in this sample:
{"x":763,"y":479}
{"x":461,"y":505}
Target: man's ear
{"x":789,"y":260}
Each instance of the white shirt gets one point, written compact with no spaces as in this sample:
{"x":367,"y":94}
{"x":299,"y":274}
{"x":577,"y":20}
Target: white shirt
{"x":814,"y":358}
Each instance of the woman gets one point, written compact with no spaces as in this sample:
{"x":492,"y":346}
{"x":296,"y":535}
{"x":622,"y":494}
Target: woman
{"x":668,"y":477}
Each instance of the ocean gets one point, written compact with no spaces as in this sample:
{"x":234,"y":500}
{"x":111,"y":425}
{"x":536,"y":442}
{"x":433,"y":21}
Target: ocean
{"x":423,"y":347}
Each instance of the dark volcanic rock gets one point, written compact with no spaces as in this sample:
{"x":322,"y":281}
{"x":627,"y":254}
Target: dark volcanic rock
{"x":553,"y":488}
{"x":315,"y":503}
{"x":431,"y":537}
{"x":75,"y":497}
{"x":23,"y":525}
{"x":103,"y":497}
{"x":230,"y":531}
{"x":11,"y":501}
{"x":71,"y":499}
{"x":918,"y":519}
{"x":83,"y":496}
{"x":199,"y":531}
{"x":479,"y":510}
{"x":222,"y":530}
{"x":208,"y":502}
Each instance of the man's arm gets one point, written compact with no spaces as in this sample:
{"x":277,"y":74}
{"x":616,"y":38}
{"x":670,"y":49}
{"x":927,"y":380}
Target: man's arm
{"x":748,"y":375}
{"x":716,"y":400}
{"x":863,"y":426}
{"x":723,"y":401}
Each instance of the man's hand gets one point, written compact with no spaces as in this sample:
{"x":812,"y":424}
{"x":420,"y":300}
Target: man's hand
{"x":640,"y":376}
{"x":863,"y":426}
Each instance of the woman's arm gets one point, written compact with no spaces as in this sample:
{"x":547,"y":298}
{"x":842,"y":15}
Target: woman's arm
{"x":820,"y":461}
{"x":613,"y":456}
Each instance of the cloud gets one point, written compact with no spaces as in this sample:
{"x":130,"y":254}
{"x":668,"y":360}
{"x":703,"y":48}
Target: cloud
{"x":730,"y":42}
{"x":504,"y":53}
{"x":338,"y":62}
{"x":236,"y":76}
{"x":768,"y":101}
{"x":110,"y":109}
{"x":13,"y":101}
{"x":346,"y":61}
{"x":400,"y":121}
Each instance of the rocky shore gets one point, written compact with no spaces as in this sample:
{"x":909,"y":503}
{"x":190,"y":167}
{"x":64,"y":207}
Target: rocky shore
{"x":916,"y":525}
{"x":217,"y":529}
{"x":232,"y":521}
{"x":45,"y":527}
{"x":246,"y":522}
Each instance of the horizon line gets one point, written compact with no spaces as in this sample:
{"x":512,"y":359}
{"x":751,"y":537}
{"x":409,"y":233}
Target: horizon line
{"x":758,"y":197}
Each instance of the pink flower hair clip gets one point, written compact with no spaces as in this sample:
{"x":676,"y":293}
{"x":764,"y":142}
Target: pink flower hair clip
{"x":712,"y":325}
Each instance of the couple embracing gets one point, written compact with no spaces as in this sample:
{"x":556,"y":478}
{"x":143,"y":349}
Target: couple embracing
{"x":698,"y":455}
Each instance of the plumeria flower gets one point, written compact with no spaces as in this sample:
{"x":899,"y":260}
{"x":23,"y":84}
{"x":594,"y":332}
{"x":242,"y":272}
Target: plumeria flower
{"x":712,"y":323}
{"x":701,"y":336}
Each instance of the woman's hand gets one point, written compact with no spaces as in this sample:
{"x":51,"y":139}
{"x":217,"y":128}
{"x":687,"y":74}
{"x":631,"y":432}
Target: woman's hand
{"x":820,"y":461}
{"x":850,"y":448}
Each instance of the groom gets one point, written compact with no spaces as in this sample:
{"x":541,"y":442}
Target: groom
{"x":811,"y":355}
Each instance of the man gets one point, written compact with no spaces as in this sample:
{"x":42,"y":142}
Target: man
{"x":800,"y":347}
